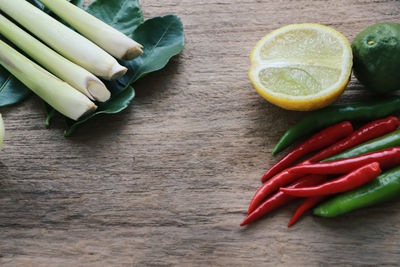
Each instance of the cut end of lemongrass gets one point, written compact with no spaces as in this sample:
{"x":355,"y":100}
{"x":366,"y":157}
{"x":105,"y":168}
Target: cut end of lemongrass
{"x":98,"y":91}
{"x":117,"y":71}
{"x":133,"y":52}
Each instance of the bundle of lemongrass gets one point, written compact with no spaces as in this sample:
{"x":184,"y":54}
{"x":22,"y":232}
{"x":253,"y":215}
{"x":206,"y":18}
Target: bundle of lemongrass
{"x":70,"y":62}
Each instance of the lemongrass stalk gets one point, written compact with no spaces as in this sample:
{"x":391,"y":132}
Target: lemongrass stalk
{"x":64,"y":40}
{"x":76,"y":76}
{"x":2,"y":130}
{"x":113,"y":41}
{"x":58,"y":94}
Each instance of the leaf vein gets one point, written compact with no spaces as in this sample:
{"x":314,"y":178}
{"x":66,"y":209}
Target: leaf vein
{"x":115,"y":19}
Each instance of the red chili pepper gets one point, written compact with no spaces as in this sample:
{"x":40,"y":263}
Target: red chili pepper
{"x":386,"y":158}
{"x":280,"y":199}
{"x":367,"y":132}
{"x":270,"y":186}
{"x":309,"y":203}
{"x":318,"y":141}
{"x":345,"y":183}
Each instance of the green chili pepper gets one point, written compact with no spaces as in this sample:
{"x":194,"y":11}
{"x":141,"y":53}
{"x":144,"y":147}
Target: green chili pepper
{"x":383,"y":188}
{"x":335,"y":114}
{"x":390,"y":140}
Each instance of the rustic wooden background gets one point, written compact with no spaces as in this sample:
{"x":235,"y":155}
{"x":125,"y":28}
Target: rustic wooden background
{"x":168,"y":181}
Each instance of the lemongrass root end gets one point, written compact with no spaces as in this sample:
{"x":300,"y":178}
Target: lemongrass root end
{"x":133,"y":52}
{"x":117,"y":71}
{"x":98,"y":91}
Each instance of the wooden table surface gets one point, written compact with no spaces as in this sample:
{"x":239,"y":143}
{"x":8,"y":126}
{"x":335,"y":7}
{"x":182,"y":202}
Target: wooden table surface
{"x":168,"y":181}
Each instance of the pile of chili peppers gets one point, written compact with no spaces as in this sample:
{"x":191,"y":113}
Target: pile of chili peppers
{"x":345,"y":172}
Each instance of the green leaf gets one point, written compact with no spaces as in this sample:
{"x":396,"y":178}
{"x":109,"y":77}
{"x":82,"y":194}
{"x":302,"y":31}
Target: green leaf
{"x":123,"y":15}
{"x":116,"y":104}
{"x":162,"y":38}
{"x":12,"y":91}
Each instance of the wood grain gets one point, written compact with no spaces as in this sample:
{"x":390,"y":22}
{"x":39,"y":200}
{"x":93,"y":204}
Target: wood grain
{"x":168,"y":181}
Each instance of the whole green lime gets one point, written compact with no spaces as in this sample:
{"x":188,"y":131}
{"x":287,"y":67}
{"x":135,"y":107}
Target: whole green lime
{"x":376,"y":52}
